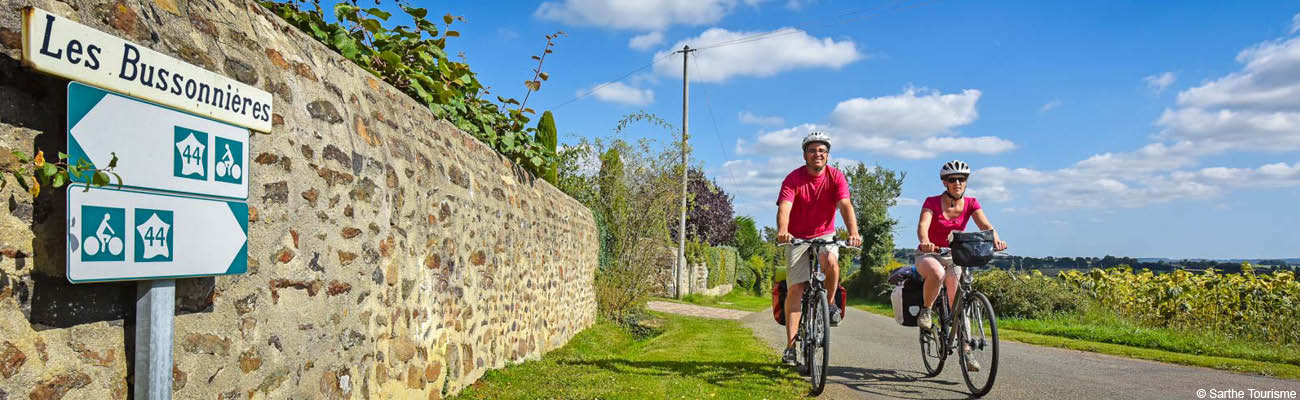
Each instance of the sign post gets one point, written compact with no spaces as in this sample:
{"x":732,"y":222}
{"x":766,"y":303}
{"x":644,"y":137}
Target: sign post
{"x":154,"y":308}
{"x":181,"y":133}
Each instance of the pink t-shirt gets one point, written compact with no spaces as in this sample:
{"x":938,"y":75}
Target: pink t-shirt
{"x":940,"y":226}
{"x":813,"y":199}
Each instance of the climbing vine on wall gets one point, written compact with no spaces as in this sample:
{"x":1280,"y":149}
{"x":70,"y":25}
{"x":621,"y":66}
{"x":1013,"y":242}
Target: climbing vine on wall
{"x":414,"y":59}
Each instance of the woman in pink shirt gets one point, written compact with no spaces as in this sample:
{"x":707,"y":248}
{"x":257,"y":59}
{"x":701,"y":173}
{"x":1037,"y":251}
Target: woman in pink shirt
{"x":940,"y":216}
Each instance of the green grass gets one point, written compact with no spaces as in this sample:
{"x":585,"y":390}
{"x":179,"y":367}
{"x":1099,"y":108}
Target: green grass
{"x":692,"y":358}
{"x":1099,"y":332}
{"x":736,"y":300}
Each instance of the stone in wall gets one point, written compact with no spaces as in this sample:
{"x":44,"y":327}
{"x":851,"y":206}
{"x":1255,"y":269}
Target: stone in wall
{"x":390,"y":254}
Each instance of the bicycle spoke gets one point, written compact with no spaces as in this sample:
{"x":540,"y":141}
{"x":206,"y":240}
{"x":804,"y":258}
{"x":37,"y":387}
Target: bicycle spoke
{"x":980,"y":362}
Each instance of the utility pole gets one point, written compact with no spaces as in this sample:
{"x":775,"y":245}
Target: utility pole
{"x":681,"y":228}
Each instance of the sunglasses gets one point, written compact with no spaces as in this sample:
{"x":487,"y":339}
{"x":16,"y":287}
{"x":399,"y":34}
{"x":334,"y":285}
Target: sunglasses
{"x":955,"y":179}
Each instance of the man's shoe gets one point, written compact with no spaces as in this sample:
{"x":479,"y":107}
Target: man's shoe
{"x":790,"y":358}
{"x":923,"y":319}
{"x":836,"y":315}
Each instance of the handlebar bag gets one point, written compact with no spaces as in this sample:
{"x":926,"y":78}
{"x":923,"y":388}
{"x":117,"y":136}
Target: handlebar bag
{"x":972,"y":249}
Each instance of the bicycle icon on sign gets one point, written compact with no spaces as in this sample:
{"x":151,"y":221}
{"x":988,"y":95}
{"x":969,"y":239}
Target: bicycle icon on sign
{"x":227,"y":166}
{"x":104,"y":237}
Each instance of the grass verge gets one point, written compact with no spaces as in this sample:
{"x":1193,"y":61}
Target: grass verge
{"x":691,"y":358}
{"x":736,"y":300}
{"x":1074,"y":332}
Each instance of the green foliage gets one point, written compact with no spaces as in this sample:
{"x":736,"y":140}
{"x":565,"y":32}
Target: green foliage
{"x":871,"y":283}
{"x":1028,"y":295}
{"x":747,"y":240}
{"x":631,"y":198}
{"x":413,"y":58}
{"x":548,"y":139}
{"x":873,"y":191}
{"x":33,"y":173}
{"x":1246,"y":305}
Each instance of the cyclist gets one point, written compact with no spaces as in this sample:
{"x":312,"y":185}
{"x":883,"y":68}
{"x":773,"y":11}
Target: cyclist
{"x":806,"y":209}
{"x":941,"y":215}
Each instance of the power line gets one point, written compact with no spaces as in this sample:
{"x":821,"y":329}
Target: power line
{"x":708,"y":103}
{"x":619,"y":79}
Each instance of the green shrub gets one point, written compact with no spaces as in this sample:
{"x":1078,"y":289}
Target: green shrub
{"x":1245,"y":305}
{"x":870,"y":283}
{"x":1028,"y":295}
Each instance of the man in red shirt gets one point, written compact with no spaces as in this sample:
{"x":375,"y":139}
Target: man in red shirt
{"x":806,"y":209}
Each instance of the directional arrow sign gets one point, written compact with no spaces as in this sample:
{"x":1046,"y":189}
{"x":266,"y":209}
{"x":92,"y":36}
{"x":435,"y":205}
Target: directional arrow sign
{"x":158,"y":147}
{"x":128,"y":234}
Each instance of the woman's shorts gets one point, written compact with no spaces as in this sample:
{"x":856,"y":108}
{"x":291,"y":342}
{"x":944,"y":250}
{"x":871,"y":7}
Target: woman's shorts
{"x":949,"y":268}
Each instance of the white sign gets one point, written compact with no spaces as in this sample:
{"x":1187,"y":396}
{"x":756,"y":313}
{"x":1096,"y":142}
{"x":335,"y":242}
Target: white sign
{"x":157,"y":147}
{"x":126,"y":234}
{"x":62,"y":47}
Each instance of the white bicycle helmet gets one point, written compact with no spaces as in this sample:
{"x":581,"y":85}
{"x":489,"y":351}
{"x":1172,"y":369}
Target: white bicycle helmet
{"x":816,"y":137}
{"x":953,"y":167}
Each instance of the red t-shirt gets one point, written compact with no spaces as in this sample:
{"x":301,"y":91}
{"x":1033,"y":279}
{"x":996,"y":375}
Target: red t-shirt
{"x":940,"y":226}
{"x":814,"y":200}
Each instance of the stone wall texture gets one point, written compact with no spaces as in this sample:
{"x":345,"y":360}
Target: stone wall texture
{"x":390,"y":254}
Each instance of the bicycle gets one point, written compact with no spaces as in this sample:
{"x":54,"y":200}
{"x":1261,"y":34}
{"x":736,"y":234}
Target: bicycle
{"x":980,"y":333}
{"x":814,"y":334}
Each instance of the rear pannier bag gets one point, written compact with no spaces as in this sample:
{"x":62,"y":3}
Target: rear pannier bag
{"x":778,"y":301}
{"x":972,"y":249}
{"x":906,"y":300}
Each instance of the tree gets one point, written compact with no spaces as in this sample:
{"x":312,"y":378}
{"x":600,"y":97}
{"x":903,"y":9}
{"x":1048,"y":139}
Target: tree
{"x":632,"y":197}
{"x":709,"y":215}
{"x":873,"y":191}
{"x":747,"y":241}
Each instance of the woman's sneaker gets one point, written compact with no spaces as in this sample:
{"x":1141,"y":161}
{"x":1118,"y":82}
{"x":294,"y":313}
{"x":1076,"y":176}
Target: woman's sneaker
{"x":836,"y":315}
{"x":971,"y":364}
{"x":790,"y":358}
{"x":923,"y":319}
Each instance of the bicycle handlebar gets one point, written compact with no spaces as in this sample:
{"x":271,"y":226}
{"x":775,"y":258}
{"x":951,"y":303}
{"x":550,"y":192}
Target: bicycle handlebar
{"x":815,"y":242}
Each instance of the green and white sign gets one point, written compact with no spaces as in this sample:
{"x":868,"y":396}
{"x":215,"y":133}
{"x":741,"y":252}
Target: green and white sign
{"x":129,"y":234}
{"x":158,"y":147}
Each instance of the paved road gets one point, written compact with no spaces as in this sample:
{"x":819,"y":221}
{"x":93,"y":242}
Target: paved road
{"x":873,"y":357}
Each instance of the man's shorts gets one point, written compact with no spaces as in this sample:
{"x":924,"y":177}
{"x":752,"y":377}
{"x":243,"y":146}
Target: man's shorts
{"x":798,"y":271}
{"x":948,"y":266}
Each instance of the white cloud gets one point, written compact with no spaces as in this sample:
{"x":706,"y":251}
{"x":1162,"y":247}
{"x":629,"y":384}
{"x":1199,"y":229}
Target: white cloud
{"x":507,"y":34}
{"x":797,"y":5}
{"x":617,"y":92}
{"x":1254,"y":109}
{"x":634,"y":14}
{"x":779,"y":142}
{"x":905,"y":125}
{"x":1295,"y":24}
{"x":749,"y":118}
{"x":646,"y":41}
{"x":978,"y":145}
{"x":1159,"y":82}
{"x":907,"y":202}
{"x":907,"y":114}
{"x":1086,"y":186}
{"x":783,"y":50}
{"x":1050,"y":105}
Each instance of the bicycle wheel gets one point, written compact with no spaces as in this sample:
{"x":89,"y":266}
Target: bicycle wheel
{"x":819,"y":359}
{"x":934,"y":350}
{"x":982,"y":337}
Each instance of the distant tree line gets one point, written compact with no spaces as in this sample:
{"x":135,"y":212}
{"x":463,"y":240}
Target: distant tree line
{"x":1017,"y":262}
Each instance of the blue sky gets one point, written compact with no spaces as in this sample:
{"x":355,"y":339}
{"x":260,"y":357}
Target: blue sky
{"x":1140,"y":129}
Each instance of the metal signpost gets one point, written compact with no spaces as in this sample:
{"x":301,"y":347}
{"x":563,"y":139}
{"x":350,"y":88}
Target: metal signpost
{"x":181,"y":134}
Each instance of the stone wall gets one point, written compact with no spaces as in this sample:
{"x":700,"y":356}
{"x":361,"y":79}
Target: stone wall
{"x":390,"y":254}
